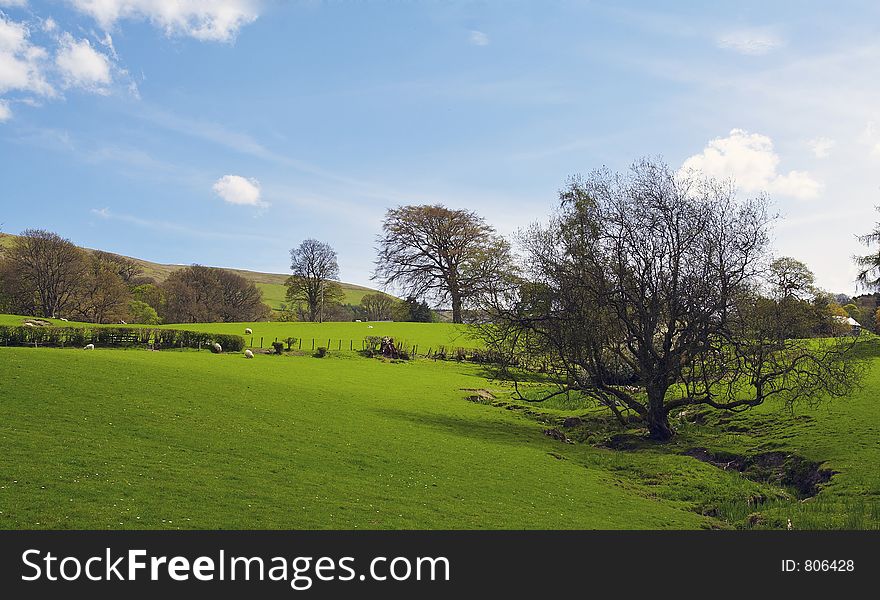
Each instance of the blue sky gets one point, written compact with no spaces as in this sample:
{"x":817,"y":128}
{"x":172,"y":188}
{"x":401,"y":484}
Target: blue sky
{"x":225,"y":132}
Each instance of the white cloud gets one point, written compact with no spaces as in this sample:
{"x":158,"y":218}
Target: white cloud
{"x":215,"y":20}
{"x":81,"y":65}
{"x":49,"y":25}
{"x":21,"y":63}
{"x":478,"y":38}
{"x":13,"y":3}
{"x":821,"y":147}
{"x":5,"y":112}
{"x":236,"y":189}
{"x":749,"y":158}
{"x":753,"y":42}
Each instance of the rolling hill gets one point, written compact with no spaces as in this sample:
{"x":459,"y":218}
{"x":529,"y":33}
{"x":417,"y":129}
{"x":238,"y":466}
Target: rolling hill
{"x":271,"y":284}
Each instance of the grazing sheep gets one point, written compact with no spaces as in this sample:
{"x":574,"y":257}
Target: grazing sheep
{"x":123,"y":323}
{"x":358,"y":321}
{"x":369,"y":326}
{"x":63,"y":319}
{"x":248,"y":331}
{"x":89,"y":347}
{"x":248,"y":354}
{"x":216,"y":348}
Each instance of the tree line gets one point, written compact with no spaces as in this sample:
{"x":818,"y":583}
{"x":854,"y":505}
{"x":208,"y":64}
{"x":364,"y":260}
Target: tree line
{"x":45,"y":275}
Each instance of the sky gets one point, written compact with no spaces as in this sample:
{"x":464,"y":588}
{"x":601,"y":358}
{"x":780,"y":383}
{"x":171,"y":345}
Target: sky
{"x":225,"y":132}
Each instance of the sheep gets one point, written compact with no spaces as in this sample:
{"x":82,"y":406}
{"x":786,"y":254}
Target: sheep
{"x":63,"y":319}
{"x":369,"y":326}
{"x":123,"y":323}
{"x":28,"y":324}
{"x":358,"y":321}
{"x":216,"y":348}
{"x":248,"y":354}
{"x":248,"y":331}
{"x":89,"y":347}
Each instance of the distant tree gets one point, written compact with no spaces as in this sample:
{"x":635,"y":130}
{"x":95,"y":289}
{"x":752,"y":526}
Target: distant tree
{"x":649,"y":279}
{"x":869,"y":264}
{"x":200,"y":294}
{"x":853,"y":311}
{"x":791,"y":278}
{"x":102,"y":295}
{"x":242,"y":299}
{"x":151,"y":294}
{"x":413,"y":310}
{"x":40,"y":273}
{"x":142,"y":313}
{"x":792,"y":289}
{"x":877,"y":320}
{"x":313,"y":286}
{"x":378,"y":306}
{"x":127,"y":269}
{"x":450,"y":255}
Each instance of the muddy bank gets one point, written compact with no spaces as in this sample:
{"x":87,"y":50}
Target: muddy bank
{"x":778,"y":468}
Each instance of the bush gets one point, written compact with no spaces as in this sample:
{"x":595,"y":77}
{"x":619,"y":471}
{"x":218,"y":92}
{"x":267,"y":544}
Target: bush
{"x":116,"y":337}
{"x":322,"y":352}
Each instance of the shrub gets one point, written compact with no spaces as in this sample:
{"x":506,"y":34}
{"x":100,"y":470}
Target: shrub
{"x":116,"y":337}
{"x":322,"y":352}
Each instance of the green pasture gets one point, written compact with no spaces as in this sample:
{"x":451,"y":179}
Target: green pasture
{"x":137,"y":439}
{"x":274,"y":294}
{"x":140,"y":439}
{"x":342,"y":335}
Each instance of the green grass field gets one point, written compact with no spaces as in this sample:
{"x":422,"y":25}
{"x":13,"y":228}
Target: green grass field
{"x":341,"y":334}
{"x":195,"y":440}
{"x":275,"y":293}
{"x":138,"y":439}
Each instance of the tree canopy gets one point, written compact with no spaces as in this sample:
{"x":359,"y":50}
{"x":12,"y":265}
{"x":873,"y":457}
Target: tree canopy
{"x":448,"y":255}
{"x":651,"y":278}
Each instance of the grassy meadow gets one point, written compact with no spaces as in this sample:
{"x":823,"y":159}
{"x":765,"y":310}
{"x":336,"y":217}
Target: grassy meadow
{"x":186,"y":439}
{"x":342,"y":335}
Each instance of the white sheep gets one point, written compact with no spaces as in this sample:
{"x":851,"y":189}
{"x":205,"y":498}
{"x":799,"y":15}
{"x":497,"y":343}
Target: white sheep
{"x":216,"y":348}
{"x":28,"y":324}
{"x":63,"y":319}
{"x":248,"y":331}
{"x":89,"y":347}
{"x":358,"y":321}
{"x":248,"y":354}
{"x":369,"y":326}
{"x":123,"y":323}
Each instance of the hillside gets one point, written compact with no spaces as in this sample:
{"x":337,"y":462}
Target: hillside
{"x":271,"y":284}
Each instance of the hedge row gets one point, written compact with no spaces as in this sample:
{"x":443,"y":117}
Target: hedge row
{"x":116,"y":337}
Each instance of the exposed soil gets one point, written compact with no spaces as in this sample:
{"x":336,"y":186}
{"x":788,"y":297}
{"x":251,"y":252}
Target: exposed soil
{"x":779,"y":468}
{"x":558,"y":435}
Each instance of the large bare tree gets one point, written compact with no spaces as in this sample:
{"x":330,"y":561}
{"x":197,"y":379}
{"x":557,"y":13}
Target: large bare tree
{"x":642,"y":294}
{"x":41,"y":273}
{"x":431,"y":250}
{"x":314,"y":283}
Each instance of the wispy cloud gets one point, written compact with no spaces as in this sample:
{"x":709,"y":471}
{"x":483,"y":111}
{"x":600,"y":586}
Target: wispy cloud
{"x":478,"y":38}
{"x":821,"y":146}
{"x":168,"y":226}
{"x":217,"y":20}
{"x":752,"y":42}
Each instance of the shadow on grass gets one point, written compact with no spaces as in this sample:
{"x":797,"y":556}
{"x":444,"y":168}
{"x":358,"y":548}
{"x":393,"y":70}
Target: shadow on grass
{"x":502,"y":432}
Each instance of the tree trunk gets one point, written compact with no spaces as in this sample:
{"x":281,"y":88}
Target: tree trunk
{"x":658,"y":418}
{"x":456,"y":308}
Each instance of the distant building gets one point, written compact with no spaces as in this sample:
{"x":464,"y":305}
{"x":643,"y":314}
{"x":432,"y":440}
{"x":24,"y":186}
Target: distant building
{"x":855,"y":326}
